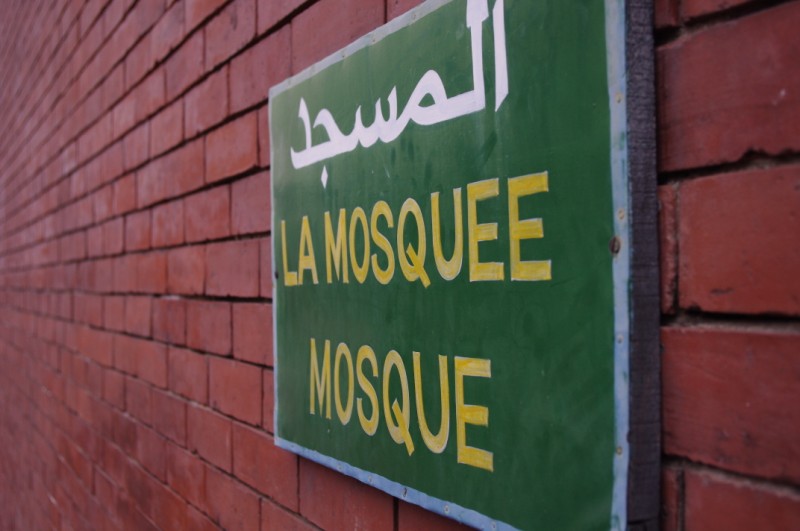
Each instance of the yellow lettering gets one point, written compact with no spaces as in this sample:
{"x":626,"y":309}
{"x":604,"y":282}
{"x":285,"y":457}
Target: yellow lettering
{"x":369,"y":425}
{"x":306,"y":261}
{"x":289,"y":277}
{"x":481,"y":232}
{"x":526,"y":229}
{"x":360,"y":270}
{"x":321,"y":383}
{"x":344,"y":412}
{"x":412,"y":261}
{"x":393,"y":360}
{"x":448,"y":269}
{"x":435,"y":443}
{"x":471,"y":414}
{"x":384,"y":276}
{"x":336,"y":248}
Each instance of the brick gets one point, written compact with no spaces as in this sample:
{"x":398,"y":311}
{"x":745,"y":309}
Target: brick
{"x":269,"y":57}
{"x":188,"y":374}
{"x":138,"y":401}
{"x":206,"y":104}
{"x":714,"y":501}
{"x":395,"y":8}
{"x":232,"y":268}
{"x":150,"y":95}
{"x":113,"y":86}
{"x":114,"y":313}
{"x":95,"y":138}
{"x":230,"y":31}
{"x":151,"y":272}
{"x":185,"y":66}
{"x":113,"y":236}
{"x":266,"y":267}
{"x":95,"y":345}
{"x":113,"y":14}
{"x":124,"y":194}
{"x":250,"y":209}
{"x":186,"y":270}
{"x":197,"y":521}
{"x":209,"y":434}
{"x":229,"y":503}
{"x":88,"y":309}
{"x":738,"y":245}
{"x":166,"y":129}
{"x":125,"y":349}
{"x":411,"y":517}
{"x":270,"y":12}
{"x":691,"y":9}
{"x":114,"y":388}
{"x":199,"y":10}
{"x":208,"y":215}
{"x":234,"y":388}
{"x":232,"y":149}
{"x":168,"y":224}
{"x":186,"y":475}
{"x":724,"y":399}
{"x":263,"y":137}
{"x":137,"y":315}
{"x":151,"y":366}
{"x":169,"y":510}
{"x":102,"y":203}
{"x":168,"y":32}
{"x":138,"y":62}
{"x":252,"y":332}
{"x":177,"y":173}
{"x":111,"y":163}
{"x":136,"y":146}
{"x":171,"y":418}
{"x":184,"y":168}
{"x":666,"y":13}
{"x":104,"y":488}
{"x":265,"y":467}
{"x":209,"y":326}
{"x":169,"y":320}
{"x":333,"y":501}
{"x":151,"y":451}
{"x":137,"y":231}
{"x":89,"y":14}
{"x":330,"y":25}
{"x":275,"y":517}
{"x":72,"y":247}
{"x":671,"y":498}
{"x":723,"y":91}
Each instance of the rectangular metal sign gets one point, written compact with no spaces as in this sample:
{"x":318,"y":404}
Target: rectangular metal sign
{"x":450,"y":206}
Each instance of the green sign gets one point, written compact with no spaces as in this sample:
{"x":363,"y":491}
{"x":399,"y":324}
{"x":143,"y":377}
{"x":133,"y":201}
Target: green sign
{"x":450,"y":247}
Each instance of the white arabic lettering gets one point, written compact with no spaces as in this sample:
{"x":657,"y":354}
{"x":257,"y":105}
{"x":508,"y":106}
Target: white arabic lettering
{"x":388,"y":128}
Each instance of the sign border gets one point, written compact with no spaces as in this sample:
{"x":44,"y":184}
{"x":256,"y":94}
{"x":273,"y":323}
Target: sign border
{"x":630,"y":70}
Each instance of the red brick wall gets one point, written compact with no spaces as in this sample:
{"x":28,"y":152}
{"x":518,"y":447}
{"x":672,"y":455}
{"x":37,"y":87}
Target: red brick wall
{"x":729,"y":174}
{"x":135,"y":369}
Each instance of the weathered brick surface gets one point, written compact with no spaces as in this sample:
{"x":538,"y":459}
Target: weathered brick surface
{"x":668,"y":245}
{"x":744,"y":256}
{"x":136,"y":268}
{"x":671,"y":495}
{"x":329,"y":25}
{"x":716,"y":502}
{"x":666,"y":13}
{"x":695,"y":8}
{"x":728,"y":398}
{"x":726,"y":90}
{"x":332,"y":501}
